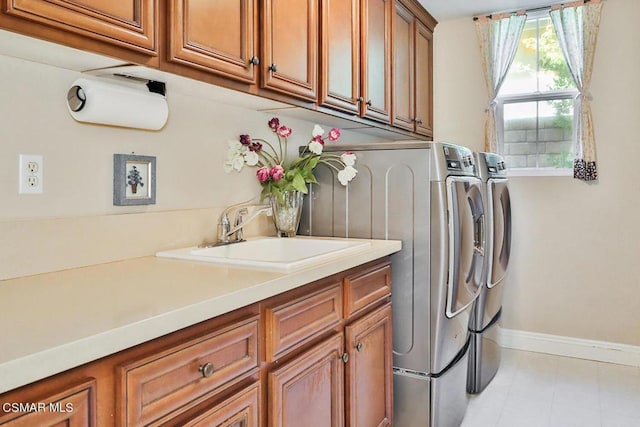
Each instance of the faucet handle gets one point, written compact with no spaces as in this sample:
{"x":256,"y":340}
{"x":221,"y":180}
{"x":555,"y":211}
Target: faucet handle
{"x":238,"y":222}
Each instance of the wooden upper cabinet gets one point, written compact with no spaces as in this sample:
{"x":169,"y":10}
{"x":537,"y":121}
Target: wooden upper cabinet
{"x":369,"y":377}
{"x":128,"y":23}
{"x":340,"y":55}
{"x":376,"y":64}
{"x":424,"y":80}
{"x":216,"y":36}
{"x":289,"y":62}
{"x":412,"y":73}
{"x":403,"y":68}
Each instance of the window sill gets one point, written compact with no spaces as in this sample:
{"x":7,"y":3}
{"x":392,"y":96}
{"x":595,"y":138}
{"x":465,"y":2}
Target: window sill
{"x":540,"y":172}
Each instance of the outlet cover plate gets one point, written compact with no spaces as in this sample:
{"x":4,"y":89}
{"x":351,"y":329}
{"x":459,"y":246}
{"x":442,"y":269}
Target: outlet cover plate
{"x":30,"y":174}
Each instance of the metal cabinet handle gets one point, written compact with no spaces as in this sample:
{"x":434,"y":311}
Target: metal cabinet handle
{"x":273,"y":68}
{"x":360,"y":99}
{"x":207,"y":369}
{"x":254,"y":60}
{"x":344,"y":357}
{"x":418,"y":121}
{"x":368,"y":103}
{"x":359,"y":346}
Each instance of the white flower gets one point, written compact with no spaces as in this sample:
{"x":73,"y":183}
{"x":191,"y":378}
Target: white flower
{"x":235,"y":157}
{"x":348,"y":158}
{"x":315,"y":147}
{"x":251,"y":157}
{"x":347,"y":174}
{"x":317,"y":131}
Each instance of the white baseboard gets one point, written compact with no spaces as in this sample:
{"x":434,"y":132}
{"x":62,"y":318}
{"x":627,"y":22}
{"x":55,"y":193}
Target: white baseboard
{"x":601,"y":351}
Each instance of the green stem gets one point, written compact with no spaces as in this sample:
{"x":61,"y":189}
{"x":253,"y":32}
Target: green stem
{"x":275,"y":153}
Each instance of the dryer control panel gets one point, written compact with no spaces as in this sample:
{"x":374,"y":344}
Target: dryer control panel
{"x":494,"y":164}
{"x":458,"y":158}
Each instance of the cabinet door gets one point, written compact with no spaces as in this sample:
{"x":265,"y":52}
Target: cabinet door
{"x":309,"y":390}
{"x":340,"y":55}
{"x":376,"y":61}
{"x":72,"y":407}
{"x":128,"y":23}
{"x":369,"y":370}
{"x":424,"y":80}
{"x":290,"y":45}
{"x":240,"y":410}
{"x":217,"y":36}
{"x":403,"y":68}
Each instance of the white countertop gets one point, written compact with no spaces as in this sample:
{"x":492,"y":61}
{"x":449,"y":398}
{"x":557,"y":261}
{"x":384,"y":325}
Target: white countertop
{"x":56,"y":321}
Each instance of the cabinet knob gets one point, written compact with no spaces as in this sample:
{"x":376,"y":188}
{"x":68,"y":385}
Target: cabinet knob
{"x":206,"y":369}
{"x":344,"y":357}
{"x":360,"y":99}
{"x":419,"y":121}
{"x":273,"y":68}
{"x":254,"y":60}
{"x":368,"y":103}
{"x":359,"y":346}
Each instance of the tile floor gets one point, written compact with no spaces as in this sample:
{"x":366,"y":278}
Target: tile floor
{"x":539,"y":390}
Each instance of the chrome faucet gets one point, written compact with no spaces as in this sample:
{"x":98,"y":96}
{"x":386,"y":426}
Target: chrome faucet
{"x":226,"y":231}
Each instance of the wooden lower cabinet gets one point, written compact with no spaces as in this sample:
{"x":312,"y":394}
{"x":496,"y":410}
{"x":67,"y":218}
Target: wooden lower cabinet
{"x":73,"y":406}
{"x":310,"y":388}
{"x":242,"y":409}
{"x":316,"y":356}
{"x":369,"y":376}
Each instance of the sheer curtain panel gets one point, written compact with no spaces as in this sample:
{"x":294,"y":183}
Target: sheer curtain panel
{"x":576,"y":26}
{"x":498,"y":37}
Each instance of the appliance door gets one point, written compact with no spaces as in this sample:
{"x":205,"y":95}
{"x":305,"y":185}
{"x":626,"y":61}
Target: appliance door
{"x":467,"y":225}
{"x":498,"y":196}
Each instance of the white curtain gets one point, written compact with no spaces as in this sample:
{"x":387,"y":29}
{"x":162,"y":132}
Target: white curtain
{"x":577,"y":27}
{"x":499,"y":38}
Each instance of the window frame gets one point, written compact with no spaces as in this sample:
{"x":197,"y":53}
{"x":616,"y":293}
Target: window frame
{"x":535,"y":96}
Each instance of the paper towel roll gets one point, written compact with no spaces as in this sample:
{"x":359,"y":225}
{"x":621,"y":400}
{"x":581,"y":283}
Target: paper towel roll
{"x":97,"y":101}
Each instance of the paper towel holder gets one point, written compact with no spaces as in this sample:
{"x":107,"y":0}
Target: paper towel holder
{"x":77,"y":99}
{"x":138,"y":104}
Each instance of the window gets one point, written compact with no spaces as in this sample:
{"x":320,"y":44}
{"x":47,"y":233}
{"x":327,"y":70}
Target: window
{"x":535,"y":104}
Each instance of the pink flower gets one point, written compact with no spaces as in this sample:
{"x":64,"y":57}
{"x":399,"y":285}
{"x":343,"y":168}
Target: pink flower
{"x":277,"y":172}
{"x":263,"y":174}
{"x":274,"y":124}
{"x":334,"y":134}
{"x":318,"y":139}
{"x":284,"y":131}
{"x":245,"y":139}
{"x":255,"y":146}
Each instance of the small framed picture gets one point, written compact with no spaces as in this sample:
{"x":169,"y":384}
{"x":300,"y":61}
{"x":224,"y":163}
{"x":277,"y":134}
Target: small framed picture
{"x":134,"y":180}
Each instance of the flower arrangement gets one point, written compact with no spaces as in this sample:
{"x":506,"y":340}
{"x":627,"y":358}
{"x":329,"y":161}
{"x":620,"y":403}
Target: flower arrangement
{"x":275,"y":173}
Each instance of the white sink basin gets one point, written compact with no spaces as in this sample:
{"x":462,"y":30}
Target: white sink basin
{"x":271,"y":253}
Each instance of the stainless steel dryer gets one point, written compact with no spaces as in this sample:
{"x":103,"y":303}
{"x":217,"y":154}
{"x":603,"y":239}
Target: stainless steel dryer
{"x":427,"y":195}
{"x":484,"y":352}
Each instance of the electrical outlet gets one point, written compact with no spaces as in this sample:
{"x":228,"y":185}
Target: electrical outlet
{"x":31,"y":174}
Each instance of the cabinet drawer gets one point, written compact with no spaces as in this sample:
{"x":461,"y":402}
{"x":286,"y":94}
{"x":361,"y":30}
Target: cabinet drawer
{"x":296,"y":322}
{"x":74,"y":407}
{"x":367,"y":288}
{"x":161,"y":384}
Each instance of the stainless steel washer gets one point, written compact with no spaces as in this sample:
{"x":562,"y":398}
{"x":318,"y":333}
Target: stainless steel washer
{"x":484,"y":353}
{"x":427,"y":195}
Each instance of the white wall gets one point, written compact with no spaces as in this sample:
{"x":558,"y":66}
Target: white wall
{"x":75,"y":223}
{"x":574,"y":268}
